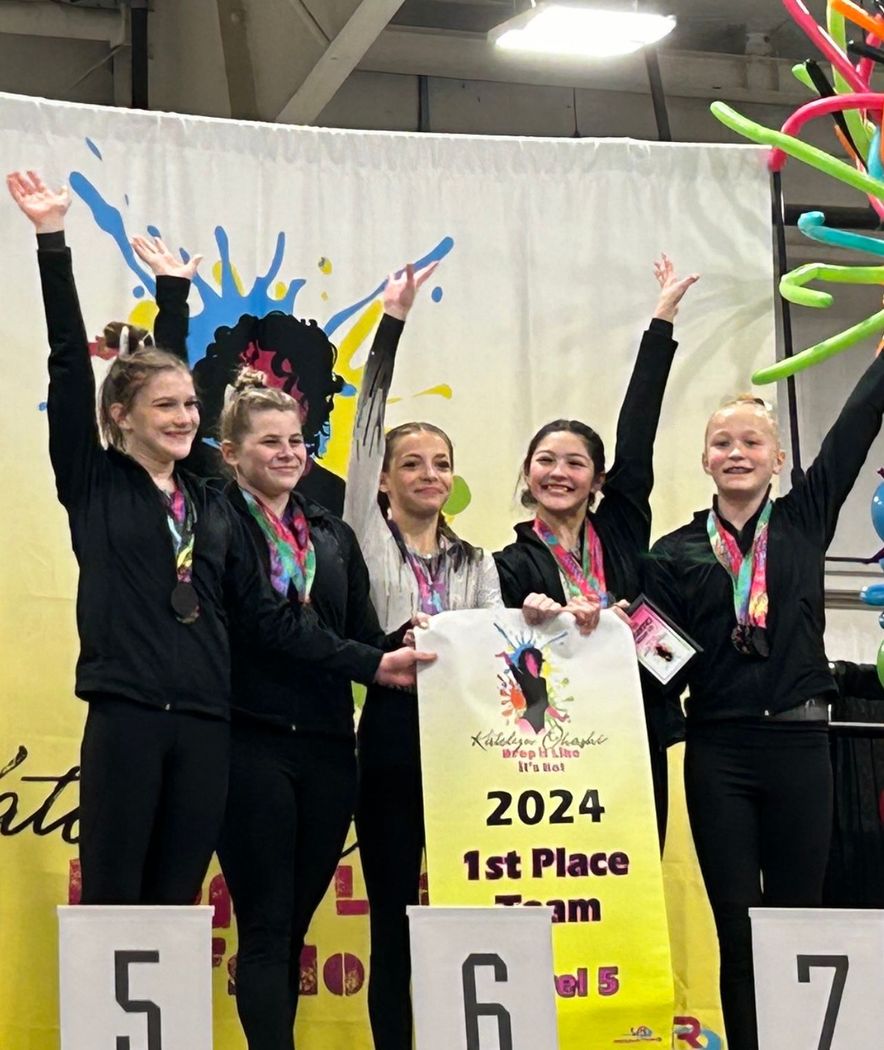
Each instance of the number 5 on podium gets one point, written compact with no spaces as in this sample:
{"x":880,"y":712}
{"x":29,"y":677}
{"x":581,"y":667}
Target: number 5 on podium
{"x":122,"y":961}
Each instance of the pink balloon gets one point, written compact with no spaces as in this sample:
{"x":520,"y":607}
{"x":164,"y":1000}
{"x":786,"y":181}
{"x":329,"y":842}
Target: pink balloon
{"x":820,"y":107}
{"x":825,"y":44}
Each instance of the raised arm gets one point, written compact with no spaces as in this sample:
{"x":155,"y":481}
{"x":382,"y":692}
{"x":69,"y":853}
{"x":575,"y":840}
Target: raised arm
{"x":173,"y":284}
{"x":817,"y":499}
{"x":170,"y":328}
{"x":367,"y":448}
{"x":73,"y":430}
{"x":631,"y":478}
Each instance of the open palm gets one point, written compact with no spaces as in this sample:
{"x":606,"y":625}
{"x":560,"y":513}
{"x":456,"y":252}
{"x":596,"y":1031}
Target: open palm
{"x":44,"y":207}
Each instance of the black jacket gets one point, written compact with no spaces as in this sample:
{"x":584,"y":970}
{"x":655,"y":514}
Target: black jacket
{"x":687,"y":582}
{"x":131,"y":644}
{"x":623,"y":521}
{"x":292,"y":694}
{"x":272,"y":688}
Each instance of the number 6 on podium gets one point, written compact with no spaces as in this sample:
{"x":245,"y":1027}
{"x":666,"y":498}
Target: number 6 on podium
{"x":122,"y":961}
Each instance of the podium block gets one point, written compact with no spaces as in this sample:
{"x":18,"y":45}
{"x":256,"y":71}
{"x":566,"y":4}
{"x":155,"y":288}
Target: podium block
{"x":135,"y":978}
{"x":482,"y":978}
{"x":819,"y":978}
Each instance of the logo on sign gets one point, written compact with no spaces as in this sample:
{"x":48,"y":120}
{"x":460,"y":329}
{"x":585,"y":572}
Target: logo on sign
{"x":533,"y":692}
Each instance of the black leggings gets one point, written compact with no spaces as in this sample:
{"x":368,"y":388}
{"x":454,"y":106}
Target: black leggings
{"x":759,"y":799}
{"x":390,"y":828}
{"x":289,"y":809}
{"x":152,"y":788}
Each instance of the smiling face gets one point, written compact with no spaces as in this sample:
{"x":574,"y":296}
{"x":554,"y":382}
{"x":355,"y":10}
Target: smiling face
{"x":742,"y":451}
{"x":418,"y":474}
{"x":561,"y":476}
{"x":269,"y":459}
{"x":160,"y":424}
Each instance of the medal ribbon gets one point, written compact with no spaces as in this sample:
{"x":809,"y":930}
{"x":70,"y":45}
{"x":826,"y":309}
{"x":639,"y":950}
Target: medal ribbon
{"x":430,"y":577}
{"x":584,"y":578}
{"x":181,"y":516}
{"x":748,"y":572}
{"x":292,"y":556}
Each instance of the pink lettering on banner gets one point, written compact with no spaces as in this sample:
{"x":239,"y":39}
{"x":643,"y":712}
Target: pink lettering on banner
{"x":343,"y":883}
{"x":343,"y":974}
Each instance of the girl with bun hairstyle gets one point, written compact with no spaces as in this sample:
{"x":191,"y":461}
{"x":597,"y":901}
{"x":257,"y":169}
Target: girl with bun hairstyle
{"x":165,"y":567}
{"x":745,"y":578}
{"x":293,"y":764}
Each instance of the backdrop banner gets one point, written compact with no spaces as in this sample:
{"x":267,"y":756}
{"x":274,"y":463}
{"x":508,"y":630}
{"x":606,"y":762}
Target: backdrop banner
{"x":544,"y":287}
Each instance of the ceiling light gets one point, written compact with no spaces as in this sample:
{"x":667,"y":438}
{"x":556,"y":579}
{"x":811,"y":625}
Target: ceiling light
{"x":556,"y":29}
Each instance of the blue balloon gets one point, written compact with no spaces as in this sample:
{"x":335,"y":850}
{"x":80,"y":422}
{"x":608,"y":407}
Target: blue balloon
{"x":875,"y":168}
{"x":873,"y":594}
{"x":878,"y":510}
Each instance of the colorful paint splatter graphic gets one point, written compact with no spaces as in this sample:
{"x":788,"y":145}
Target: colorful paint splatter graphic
{"x":235,"y":324}
{"x":533,"y":692}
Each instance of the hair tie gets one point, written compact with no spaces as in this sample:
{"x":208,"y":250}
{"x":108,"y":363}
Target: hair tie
{"x":124,"y":341}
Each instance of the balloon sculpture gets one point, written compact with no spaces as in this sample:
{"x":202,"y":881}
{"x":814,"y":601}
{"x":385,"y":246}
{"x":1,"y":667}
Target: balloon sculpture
{"x":857,"y":112}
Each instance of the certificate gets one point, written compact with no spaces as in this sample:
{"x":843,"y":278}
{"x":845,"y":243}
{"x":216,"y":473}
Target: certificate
{"x":662,"y":649}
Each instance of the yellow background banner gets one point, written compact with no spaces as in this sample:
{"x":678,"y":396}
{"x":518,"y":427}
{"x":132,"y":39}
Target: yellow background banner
{"x":535,"y":312}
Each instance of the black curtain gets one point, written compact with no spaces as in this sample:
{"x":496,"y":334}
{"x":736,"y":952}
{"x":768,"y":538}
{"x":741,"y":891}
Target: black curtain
{"x":855,"y":877}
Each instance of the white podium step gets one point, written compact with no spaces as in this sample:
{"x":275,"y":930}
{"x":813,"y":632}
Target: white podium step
{"x":482,"y":978}
{"x":819,"y":978}
{"x":135,"y":978}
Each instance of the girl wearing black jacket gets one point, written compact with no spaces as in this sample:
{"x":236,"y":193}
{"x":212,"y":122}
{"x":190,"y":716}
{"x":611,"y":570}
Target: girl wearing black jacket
{"x":572,"y":554}
{"x":164,"y":566}
{"x":746,"y":580}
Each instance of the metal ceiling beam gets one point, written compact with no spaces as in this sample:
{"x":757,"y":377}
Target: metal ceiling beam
{"x":238,"y":64}
{"x":693,"y":74}
{"x":338,"y":61}
{"x":21,"y":18}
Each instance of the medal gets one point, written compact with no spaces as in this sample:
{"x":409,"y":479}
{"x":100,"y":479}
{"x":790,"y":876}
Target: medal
{"x":750,"y":640}
{"x":185,"y":603}
{"x":181,"y":517}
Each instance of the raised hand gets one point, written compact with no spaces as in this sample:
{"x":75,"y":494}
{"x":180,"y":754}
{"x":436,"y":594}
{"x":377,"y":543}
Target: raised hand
{"x":399,"y":668}
{"x":672,"y":287}
{"x":44,"y":207}
{"x":401,"y":289}
{"x":162,"y":262}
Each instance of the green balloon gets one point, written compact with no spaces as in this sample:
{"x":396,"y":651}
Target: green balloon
{"x":880,"y":663}
{"x":816,"y":158}
{"x":856,"y":124}
{"x":799,"y":72}
{"x":459,"y":498}
{"x":821,"y":351}
{"x":792,"y":284}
